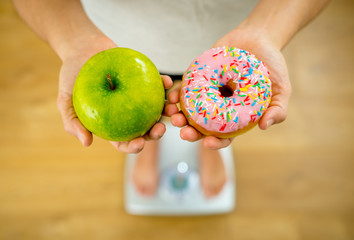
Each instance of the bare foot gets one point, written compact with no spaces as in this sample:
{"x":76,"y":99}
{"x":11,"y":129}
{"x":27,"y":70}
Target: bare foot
{"x":145,"y":172}
{"x":212,"y":171}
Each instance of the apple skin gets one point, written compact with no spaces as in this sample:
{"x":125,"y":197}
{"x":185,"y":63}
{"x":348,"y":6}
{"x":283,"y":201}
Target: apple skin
{"x":130,"y":109}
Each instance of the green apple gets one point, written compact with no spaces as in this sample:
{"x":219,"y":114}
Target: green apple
{"x":118,"y":94}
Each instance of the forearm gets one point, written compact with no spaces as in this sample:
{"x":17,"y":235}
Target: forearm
{"x":61,"y":23}
{"x":279,"y":20}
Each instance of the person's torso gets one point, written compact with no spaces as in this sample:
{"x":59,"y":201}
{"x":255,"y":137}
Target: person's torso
{"x":170,"y":32}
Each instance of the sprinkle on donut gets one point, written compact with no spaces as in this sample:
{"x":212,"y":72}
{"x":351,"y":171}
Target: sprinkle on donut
{"x":225,"y":90}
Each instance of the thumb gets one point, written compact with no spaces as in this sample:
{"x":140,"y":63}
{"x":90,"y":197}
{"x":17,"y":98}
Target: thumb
{"x":72,"y":125}
{"x":276,"y":112}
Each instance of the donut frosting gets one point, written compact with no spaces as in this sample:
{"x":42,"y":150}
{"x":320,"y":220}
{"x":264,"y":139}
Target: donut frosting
{"x":246,"y":78}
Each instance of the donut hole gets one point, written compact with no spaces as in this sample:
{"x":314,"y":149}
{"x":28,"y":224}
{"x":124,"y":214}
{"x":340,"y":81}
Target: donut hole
{"x":228,"y":89}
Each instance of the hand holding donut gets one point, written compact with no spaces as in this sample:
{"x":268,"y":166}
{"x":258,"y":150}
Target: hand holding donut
{"x":266,"y":51}
{"x":276,"y":112}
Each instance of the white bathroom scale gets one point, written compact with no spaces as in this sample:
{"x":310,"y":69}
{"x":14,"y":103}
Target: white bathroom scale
{"x":179,"y":191}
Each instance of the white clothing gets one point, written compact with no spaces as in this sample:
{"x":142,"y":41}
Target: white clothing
{"x":170,"y":32}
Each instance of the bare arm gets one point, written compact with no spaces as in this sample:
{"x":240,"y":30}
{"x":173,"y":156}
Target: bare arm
{"x":66,"y":27}
{"x":280,"y":20}
{"x":61,"y":23}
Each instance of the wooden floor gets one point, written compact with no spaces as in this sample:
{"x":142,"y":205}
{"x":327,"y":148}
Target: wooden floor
{"x":294,"y":181}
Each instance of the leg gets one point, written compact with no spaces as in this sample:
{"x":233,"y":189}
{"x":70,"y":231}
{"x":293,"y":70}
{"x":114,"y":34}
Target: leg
{"x":145,"y":172}
{"x":212,"y":171}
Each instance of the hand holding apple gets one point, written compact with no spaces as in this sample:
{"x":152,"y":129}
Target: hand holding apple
{"x":73,"y":60}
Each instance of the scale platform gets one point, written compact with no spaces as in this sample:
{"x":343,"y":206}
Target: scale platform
{"x":179,"y":192}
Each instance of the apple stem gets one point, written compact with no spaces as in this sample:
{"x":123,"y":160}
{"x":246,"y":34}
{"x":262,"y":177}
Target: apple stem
{"x":110,"y":81}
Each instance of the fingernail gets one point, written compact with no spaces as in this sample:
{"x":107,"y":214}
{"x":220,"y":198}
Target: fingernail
{"x":270,"y":122}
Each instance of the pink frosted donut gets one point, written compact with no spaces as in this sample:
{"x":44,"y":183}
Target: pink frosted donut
{"x":225,"y":91}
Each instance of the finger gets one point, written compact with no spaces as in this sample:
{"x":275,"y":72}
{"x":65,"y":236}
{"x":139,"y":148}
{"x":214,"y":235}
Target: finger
{"x":190,"y":134}
{"x":119,"y":145}
{"x":136,"y":145}
{"x":133,"y":146}
{"x":170,"y":109}
{"x":167,"y":81}
{"x":173,"y":96}
{"x":215,"y":143}
{"x":82,"y":133}
{"x":277,"y":110}
{"x":156,"y":132}
{"x":72,"y":125}
{"x":178,"y":120}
